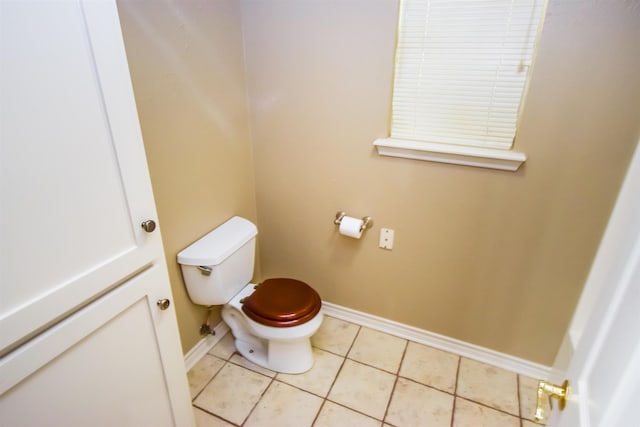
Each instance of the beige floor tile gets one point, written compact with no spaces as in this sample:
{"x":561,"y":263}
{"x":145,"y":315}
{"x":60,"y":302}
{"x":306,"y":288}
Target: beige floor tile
{"x":317,"y":380}
{"x":335,"y":335}
{"x":238,"y":391}
{"x":332,"y":415}
{"x":200,"y":375}
{"x":283,"y":405}
{"x":528,"y":396}
{"x":204,"y":419}
{"x":488,"y":385}
{"x":363,"y":388}
{"x":225,"y":348}
{"x":378,"y":349}
{"x":239,"y":360}
{"x":233,"y":393}
{"x":469,"y":414}
{"x":430,"y":366}
{"x":414,"y":404}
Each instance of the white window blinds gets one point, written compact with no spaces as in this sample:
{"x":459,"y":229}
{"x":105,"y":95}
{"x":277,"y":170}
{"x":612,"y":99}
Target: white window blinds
{"x":461,"y":70}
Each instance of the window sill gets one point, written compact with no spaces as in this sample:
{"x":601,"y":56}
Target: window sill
{"x":455,"y":154}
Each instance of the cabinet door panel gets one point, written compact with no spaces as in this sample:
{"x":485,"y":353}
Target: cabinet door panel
{"x":109,"y":364}
{"x":74,"y":183}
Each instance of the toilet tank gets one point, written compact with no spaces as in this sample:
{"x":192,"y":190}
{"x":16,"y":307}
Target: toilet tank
{"x":220,"y":264}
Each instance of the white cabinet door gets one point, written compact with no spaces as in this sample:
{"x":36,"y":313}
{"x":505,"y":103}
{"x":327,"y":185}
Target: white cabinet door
{"x":82,"y":341}
{"x":74,"y":185}
{"x":105,"y":365}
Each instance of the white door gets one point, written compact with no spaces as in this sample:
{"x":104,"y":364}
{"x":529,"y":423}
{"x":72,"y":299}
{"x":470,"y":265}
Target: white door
{"x":74,"y":184}
{"x":602,"y":351}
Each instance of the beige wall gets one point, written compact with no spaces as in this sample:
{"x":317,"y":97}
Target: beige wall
{"x":187,"y":68}
{"x":493,"y":258}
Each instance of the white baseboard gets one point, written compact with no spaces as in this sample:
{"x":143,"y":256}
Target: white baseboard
{"x":471,"y":351}
{"x":201,"y":348}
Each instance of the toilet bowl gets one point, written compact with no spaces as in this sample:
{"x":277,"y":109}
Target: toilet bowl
{"x":282,"y":348}
{"x":272,"y":322}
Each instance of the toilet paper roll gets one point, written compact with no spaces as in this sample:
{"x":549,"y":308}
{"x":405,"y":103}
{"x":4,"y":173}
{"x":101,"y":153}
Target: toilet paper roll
{"x":351,"y":227}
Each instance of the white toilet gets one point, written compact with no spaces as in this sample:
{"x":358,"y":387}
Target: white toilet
{"x":272,"y":322}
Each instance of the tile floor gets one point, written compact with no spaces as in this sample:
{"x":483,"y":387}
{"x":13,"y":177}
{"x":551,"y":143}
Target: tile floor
{"x":361,"y":377}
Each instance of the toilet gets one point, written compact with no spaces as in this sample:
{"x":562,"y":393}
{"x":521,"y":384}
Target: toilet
{"x":272,"y":322}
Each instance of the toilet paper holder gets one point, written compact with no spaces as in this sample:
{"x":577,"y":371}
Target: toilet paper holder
{"x":367,"y":221}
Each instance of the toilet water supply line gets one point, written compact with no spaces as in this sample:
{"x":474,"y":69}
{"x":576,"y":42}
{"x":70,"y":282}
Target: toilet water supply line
{"x":205,"y":328}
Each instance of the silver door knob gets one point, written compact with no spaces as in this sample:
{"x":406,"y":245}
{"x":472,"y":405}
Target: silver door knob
{"x":163,"y":303}
{"x":149,"y":225}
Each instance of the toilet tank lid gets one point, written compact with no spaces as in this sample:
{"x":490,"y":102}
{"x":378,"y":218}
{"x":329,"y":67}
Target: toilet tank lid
{"x":217,"y":245}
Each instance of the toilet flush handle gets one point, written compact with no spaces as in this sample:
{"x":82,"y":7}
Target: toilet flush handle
{"x":204,"y":270}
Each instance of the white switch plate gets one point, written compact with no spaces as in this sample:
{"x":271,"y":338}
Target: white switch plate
{"x":386,"y":238}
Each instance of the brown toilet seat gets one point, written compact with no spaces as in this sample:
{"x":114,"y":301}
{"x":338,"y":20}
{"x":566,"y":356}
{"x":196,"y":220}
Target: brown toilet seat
{"x":282,"y":303}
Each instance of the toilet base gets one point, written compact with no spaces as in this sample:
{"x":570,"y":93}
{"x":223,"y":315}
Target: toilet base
{"x":286,"y":350}
{"x":288,"y":358}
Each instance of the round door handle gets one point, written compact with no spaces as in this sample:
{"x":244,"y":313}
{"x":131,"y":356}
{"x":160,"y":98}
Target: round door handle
{"x":149,"y":225}
{"x":163,"y":303}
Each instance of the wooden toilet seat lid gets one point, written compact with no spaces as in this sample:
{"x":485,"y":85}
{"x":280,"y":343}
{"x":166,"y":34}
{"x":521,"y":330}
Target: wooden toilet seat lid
{"x":282,"y":303}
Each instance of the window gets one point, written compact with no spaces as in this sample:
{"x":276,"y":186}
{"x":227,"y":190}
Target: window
{"x":460,"y":77}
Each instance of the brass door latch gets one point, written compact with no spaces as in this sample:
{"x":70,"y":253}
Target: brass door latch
{"x":547,"y":390}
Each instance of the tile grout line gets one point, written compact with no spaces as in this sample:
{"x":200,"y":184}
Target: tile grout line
{"x":193,"y":404}
{"x":395,"y":382}
{"x":259,"y":400}
{"x":315,"y":419}
{"x":216,"y":416}
{"x":486,"y":405}
{"x":502,"y":411}
{"x":354,"y":410}
{"x":228,"y":361}
{"x":455,"y":391}
{"x":428,"y":386}
{"x":210,"y":379}
{"x":518,"y":398}
{"x":344,"y":359}
{"x":354,"y":340}
{"x":377,"y":368}
{"x":335,"y":378}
